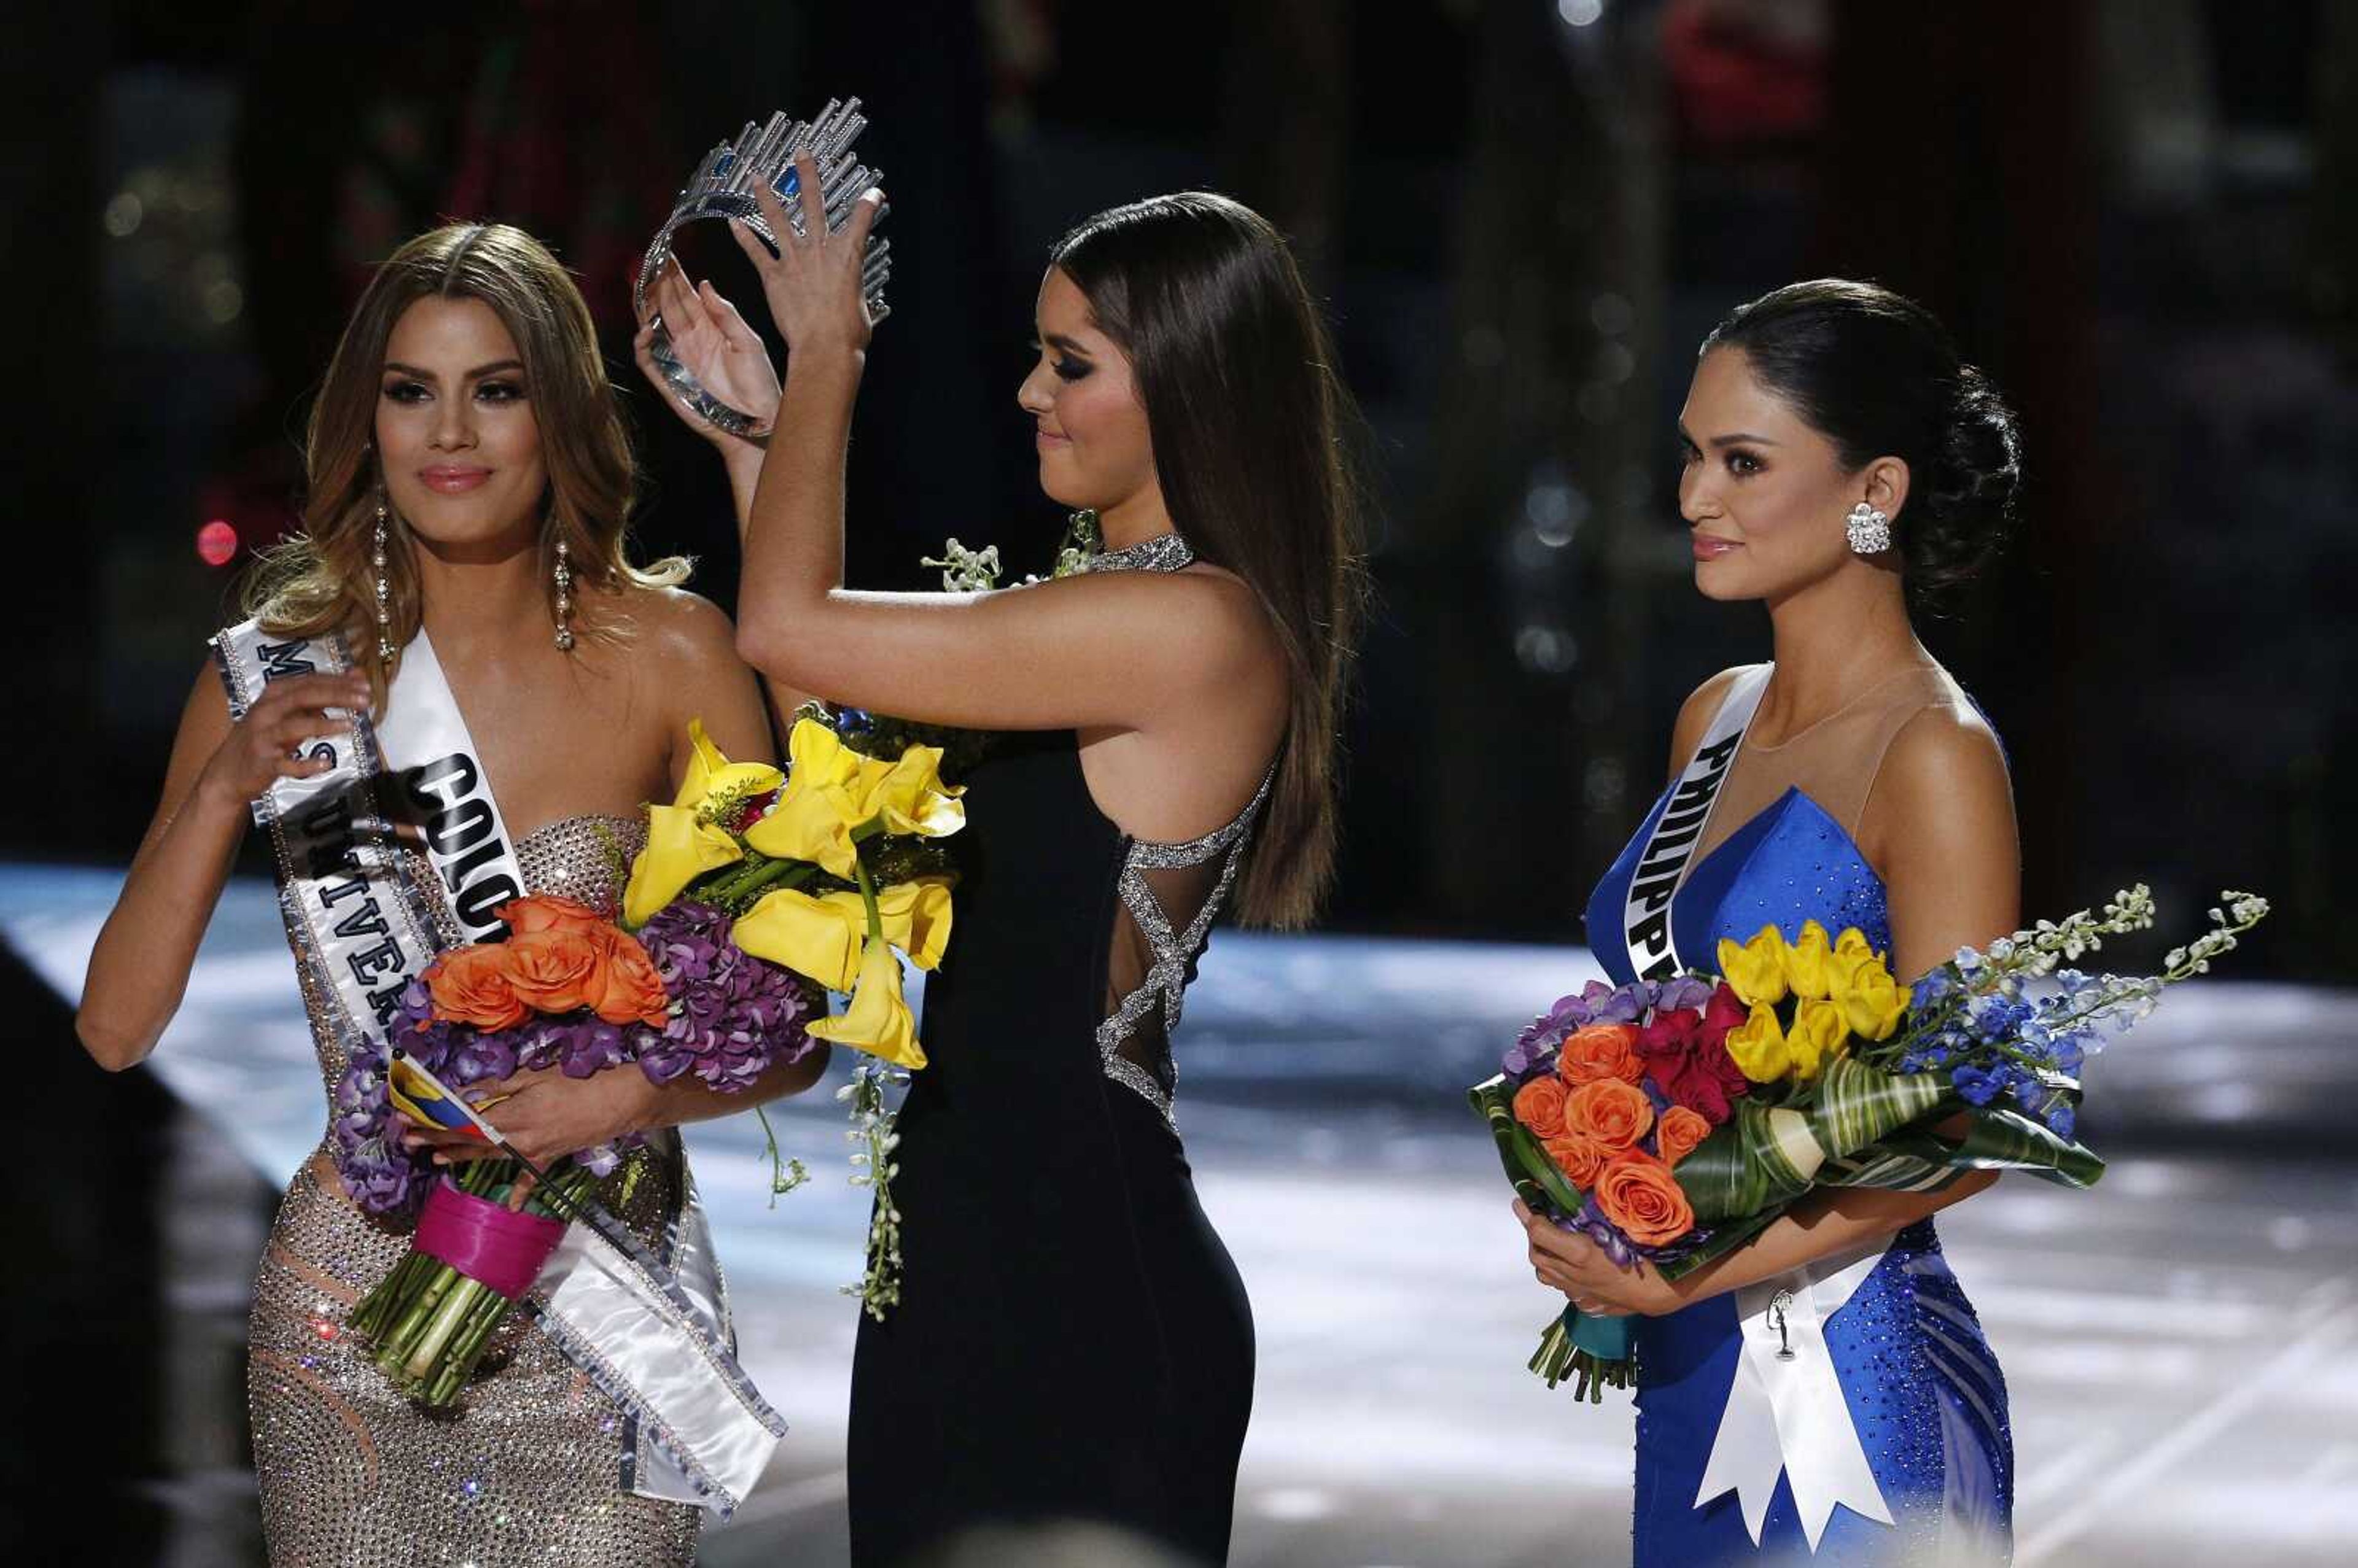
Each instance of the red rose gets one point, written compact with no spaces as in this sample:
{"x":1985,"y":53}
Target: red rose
{"x":1705,"y":1080}
{"x":1723,"y":1013}
{"x":1670,"y":1033}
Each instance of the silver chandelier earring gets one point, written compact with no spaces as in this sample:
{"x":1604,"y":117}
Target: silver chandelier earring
{"x":564,"y":598}
{"x":384,"y":589}
{"x":1870,"y":530}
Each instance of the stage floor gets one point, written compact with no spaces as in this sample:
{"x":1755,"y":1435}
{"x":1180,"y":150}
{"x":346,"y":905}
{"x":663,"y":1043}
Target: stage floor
{"x":2177,"y":1341}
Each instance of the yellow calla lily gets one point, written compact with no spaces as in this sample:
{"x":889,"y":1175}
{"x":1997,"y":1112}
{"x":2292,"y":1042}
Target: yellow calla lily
{"x":878,"y":1020}
{"x":709,"y":772}
{"x":1757,"y":1046}
{"x":1872,"y":1001}
{"x":915,"y":916}
{"x":811,"y":820}
{"x":1818,"y":1035}
{"x":819,"y":937}
{"x":679,"y":849}
{"x":911,"y":797}
{"x":1809,"y":963}
{"x":1756,"y":971}
{"x":824,"y":937}
{"x":833,"y":792}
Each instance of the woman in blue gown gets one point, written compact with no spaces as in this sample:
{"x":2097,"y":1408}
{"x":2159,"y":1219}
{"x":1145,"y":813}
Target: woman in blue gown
{"x":1839,"y":460}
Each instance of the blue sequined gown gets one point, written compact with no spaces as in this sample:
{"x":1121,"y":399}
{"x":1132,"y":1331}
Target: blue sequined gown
{"x":1924,"y":1391}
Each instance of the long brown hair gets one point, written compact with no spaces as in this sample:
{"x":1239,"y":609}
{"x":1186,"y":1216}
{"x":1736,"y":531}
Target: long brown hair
{"x":1248,"y":420}
{"x":323,"y":580}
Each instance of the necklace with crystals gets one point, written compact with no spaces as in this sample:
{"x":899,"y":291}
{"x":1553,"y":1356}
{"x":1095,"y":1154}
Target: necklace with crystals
{"x":1084,"y":550}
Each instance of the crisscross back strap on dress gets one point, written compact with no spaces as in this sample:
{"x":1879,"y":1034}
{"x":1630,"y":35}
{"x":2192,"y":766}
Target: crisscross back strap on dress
{"x":1170,"y":897}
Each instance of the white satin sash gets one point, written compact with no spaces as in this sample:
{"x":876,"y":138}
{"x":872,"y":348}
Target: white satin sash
{"x":651,"y":1331}
{"x":1646,"y":925}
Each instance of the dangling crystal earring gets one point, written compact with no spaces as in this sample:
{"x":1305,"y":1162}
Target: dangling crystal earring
{"x":384,"y":590}
{"x":1870,"y":530}
{"x":564,"y":598}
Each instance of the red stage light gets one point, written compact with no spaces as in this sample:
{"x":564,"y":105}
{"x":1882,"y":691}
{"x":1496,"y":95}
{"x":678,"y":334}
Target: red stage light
{"x":217,"y":543}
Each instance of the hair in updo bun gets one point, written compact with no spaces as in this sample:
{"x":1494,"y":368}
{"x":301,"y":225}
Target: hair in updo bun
{"x":1876,"y":374}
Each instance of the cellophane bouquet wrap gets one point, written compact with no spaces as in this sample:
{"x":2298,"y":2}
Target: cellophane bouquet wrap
{"x":1672,"y":1121}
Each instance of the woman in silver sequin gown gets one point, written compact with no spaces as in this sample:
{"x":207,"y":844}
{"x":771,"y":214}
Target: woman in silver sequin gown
{"x":467,"y":454}
{"x":1072,"y":1341}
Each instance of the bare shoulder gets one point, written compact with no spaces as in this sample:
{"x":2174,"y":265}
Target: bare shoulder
{"x":1696,"y":713}
{"x":1946,"y":757}
{"x":677,"y":627}
{"x":1200,"y":624}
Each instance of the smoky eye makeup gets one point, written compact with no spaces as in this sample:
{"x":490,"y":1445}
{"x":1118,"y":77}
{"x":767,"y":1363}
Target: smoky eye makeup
{"x":1067,"y":365}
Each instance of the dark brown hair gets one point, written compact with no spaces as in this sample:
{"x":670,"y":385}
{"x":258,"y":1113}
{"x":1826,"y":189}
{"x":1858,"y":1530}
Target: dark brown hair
{"x":322,"y":580}
{"x":1249,"y":422}
{"x":1876,"y":374}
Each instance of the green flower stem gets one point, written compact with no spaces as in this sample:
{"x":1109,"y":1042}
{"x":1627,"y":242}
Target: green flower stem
{"x":394,"y":1347}
{"x":868,"y":895}
{"x":458,"y":1368}
{"x":457,"y":1303}
{"x":725,"y":885}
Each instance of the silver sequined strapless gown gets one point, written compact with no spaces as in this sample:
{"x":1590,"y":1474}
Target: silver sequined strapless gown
{"x":529,"y":1469}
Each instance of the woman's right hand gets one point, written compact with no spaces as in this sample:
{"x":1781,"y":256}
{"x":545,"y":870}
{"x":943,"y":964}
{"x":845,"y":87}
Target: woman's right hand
{"x":261,"y":748}
{"x":724,"y":354}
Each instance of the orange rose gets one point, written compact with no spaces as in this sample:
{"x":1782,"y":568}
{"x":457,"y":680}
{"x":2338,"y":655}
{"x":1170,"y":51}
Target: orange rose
{"x":625,"y":988}
{"x":554,"y":969}
{"x":1637,"y":1193}
{"x":471,"y":985}
{"x":546,"y":912}
{"x":1602,"y":1051}
{"x":1682,"y":1131}
{"x":1609,"y":1112}
{"x":1580,"y":1159}
{"x":1539,"y":1105}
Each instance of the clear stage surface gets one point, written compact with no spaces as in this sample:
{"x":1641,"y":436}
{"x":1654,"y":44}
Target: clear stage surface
{"x":2177,"y":1341}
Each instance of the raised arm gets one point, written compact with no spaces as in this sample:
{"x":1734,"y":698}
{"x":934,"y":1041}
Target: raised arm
{"x":1128,"y":650}
{"x":139,"y":969}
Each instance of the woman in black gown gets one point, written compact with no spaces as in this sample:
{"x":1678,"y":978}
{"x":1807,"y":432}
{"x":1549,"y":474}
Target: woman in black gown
{"x":1073,"y":1343}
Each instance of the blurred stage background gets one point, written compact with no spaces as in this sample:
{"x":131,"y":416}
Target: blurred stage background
{"x":2141,"y":216}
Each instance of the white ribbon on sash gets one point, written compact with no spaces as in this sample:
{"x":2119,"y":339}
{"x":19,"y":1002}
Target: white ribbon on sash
{"x":1646,"y":923}
{"x":1786,"y":1415}
{"x":651,"y":1331}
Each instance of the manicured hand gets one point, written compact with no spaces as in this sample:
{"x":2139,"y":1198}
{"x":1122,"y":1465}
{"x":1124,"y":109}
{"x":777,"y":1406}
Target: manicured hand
{"x":544,"y":1115}
{"x":264,"y":745}
{"x":709,"y":336}
{"x":813,"y":284}
{"x":1568,"y":1262}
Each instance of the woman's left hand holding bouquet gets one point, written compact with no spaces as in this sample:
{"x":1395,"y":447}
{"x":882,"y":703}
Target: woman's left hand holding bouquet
{"x":1568,"y":1262}
{"x":544,"y":1115}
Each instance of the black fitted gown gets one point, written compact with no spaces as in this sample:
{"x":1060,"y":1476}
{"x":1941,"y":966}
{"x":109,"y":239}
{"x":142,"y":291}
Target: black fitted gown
{"x":1073,"y":1342}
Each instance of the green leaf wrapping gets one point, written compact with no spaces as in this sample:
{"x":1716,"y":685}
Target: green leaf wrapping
{"x":1537,"y":1180}
{"x":1745,"y":1167}
{"x":1592,"y":1351}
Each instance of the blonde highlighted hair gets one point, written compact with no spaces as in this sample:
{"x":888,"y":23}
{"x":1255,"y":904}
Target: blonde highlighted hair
{"x":323,"y":579}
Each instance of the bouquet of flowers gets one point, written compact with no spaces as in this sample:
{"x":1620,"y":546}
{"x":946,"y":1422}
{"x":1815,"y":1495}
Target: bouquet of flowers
{"x":571,"y":990}
{"x":832,"y":868}
{"x":759,"y":891}
{"x":1672,"y":1121}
